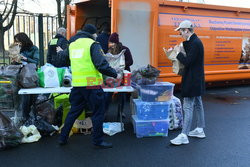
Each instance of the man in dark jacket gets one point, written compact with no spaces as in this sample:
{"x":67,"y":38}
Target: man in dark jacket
{"x":58,"y":41}
{"x":87,"y":66}
{"x":103,"y":38}
{"x":192,"y":84}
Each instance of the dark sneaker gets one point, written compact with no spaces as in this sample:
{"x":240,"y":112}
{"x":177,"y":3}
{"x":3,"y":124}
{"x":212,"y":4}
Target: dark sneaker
{"x":62,"y":142}
{"x":104,"y":145}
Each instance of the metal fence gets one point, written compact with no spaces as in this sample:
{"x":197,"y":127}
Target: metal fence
{"x":28,"y":23}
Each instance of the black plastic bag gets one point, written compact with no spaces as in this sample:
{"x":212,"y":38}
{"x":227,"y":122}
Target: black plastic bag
{"x":145,"y":75}
{"x":149,"y":71}
{"x":42,"y":126}
{"x":58,"y":116}
{"x":10,"y":136}
{"x":45,"y":109}
{"x":28,"y":77}
{"x":10,"y":70}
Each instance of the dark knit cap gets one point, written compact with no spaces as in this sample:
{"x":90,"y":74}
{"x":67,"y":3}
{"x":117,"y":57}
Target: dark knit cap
{"x":114,"y":38}
{"x":89,"y":28}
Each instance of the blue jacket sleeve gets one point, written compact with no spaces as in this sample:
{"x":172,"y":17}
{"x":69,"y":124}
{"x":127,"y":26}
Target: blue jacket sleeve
{"x":32,"y":55}
{"x":99,"y":61}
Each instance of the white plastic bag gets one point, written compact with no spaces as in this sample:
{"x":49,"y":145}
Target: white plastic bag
{"x":111,"y":128}
{"x":116,"y":61}
{"x":50,"y":76}
{"x":30,"y":130}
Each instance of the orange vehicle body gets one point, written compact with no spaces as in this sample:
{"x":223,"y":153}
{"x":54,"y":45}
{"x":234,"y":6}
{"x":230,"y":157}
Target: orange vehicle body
{"x":146,"y":26}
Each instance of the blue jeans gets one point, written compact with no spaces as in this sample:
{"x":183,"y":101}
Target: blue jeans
{"x":191,"y":104}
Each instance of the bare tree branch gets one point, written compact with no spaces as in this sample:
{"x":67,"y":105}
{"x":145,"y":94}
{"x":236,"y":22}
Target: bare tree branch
{"x":11,"y":8}
{"x":14,"y":11}
{"x":5,"y":7}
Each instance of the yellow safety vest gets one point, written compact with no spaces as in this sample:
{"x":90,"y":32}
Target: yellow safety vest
{"x":83,"y":70}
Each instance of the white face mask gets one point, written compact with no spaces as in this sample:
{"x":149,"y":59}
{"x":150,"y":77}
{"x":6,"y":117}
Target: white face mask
{"x":94,"y":36}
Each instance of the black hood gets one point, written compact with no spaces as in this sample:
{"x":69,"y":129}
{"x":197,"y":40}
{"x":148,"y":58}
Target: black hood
{"x":81,"y":34}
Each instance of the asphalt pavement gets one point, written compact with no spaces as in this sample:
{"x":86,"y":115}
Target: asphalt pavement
{"x":227,"y":115}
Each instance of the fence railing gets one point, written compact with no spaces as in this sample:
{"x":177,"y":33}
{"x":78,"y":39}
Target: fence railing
{"x":28,"y":23}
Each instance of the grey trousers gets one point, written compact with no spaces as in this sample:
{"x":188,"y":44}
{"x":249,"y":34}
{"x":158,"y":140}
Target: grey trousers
{"x":191,"y":104}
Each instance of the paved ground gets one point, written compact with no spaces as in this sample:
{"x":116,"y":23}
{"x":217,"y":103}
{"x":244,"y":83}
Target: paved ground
{"x":227,"y":144}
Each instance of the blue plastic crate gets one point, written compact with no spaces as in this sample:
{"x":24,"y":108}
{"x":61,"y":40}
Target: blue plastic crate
{"x":160,"y":91}
{"x":150,"y":110}
{"x":148,"y":128}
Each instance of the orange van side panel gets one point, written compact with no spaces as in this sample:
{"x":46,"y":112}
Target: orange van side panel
{"x":224,"y":31}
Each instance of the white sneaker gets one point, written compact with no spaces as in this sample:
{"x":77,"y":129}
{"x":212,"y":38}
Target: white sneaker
{"x":180,"y":139}
{"x":197,"y":132}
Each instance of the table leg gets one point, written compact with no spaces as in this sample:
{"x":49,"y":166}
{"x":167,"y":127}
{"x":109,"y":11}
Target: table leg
{"x":120,"y":109}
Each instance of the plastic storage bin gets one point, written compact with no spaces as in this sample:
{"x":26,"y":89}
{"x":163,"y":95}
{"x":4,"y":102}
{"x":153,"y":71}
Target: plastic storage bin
{"x":147,"y":128}
{"x":150,"y":110}
{"x":160,"y":91}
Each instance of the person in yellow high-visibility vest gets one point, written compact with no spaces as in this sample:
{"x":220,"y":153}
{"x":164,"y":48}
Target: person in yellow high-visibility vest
{"x":87,"y":65}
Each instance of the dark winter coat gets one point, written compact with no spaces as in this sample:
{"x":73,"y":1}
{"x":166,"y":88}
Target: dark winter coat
{"x":193,"y":82}
{"x":103,"y":39}
{"x":128,"y":58}
{"x":52,"y":56}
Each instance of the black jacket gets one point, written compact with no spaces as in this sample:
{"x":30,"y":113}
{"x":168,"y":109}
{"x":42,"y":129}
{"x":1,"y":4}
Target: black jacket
{"x":52,"y":56}
{"x":193,"y":82}
{"x":97,"y":55}
{"x":103,"y":39}
{"x":128,"y":58}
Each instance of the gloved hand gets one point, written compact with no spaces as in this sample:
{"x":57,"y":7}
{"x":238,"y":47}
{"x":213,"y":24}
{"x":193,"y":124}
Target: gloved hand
{"x":119,"y":76}
{"x":58,"y":49}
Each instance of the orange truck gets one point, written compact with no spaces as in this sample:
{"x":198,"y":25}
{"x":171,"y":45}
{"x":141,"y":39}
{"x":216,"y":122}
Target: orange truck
{"x":146,"y":26}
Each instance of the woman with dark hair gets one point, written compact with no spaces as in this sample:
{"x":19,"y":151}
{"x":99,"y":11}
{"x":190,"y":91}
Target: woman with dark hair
{"x":115,"y":47}
{"x":29,"y":52}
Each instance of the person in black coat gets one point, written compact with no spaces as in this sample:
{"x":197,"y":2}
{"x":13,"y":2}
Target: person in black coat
{"x":59,"y":41}
{"x":103,"y":38}
{"x":192,"y":84}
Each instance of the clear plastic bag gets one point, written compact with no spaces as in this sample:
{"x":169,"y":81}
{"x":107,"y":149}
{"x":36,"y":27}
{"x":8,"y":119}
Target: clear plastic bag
{"x":10,"y":136}
{"x":9,"y":87}
{"x":118,"y":63}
